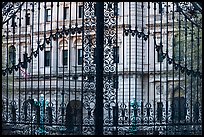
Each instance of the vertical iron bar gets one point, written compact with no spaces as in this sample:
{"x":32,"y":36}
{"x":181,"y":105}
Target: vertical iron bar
{"x":31,"y":59}
{"x":154,"y":61}
{"x":136,"y":27}
{"x":38,"y":52}
{"x":63,"y":91}
{"x":75,"y":70}
{"x":129,"y":12}
{"x":198,"y":45}
{"x":12,"y":65}
{"x":44,"y":44}
{"x":99,"y":66}
{"x":185,"y":46}
{"x":142,"y":6}
{"x":173,"y":55}
{"x":57,"y":44}
{"x":167,"y":82}
{"x":70,"y":53}
{"x":116,"y":104}
{"x":51,"y":53}
{"x":26,"y":61}
{"x":179,"y":62}
{"x":160,"y":56}
{"x":191,"y":83}
{"x":148,"y":47}
{"x":19,"y":61}
{"x":82,"y":71}
{"x":7,"y":65}
{"x":123,"y":55}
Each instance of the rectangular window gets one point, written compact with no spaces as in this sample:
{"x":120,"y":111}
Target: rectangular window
{"x":161,"y":9}
{"x":80,"y":57}
{"x":80,"y":11}
{"x":116,"y":9}
{"x":159,"y":56}
{"x":116,"y":54}
{"x":115,"y":83}
{"x":65,"y":57}
{"x":47,"y":58}
{"x":28,"y":19}
{"x":66,"y":13}
{"x":13,"y":23}
{"x":25,"y":64}
{"x":12,"y":55}
{"x":48,"y":15}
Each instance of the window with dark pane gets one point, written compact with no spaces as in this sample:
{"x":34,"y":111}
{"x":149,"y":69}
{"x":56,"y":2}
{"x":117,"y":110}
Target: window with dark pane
{"x":47,"y":58}
{"x":115,"y":82}
{"x":66,"y":12}
{"x":161,"y":9}
{"x":12,"y":55}
{"x":116,"y":9}
{"x":25,"y":64}
{"x":116,"y":54}
{"x":13,"y":23}
{"x":179,"y":109}
{"x":65,"y":57}
{"x":159,"y":110}
{"x":159,"y":55}
{"x":80,"y":57}
{"x":48,"y":15}
{"x":28,"y":19}
{"x":80,"y":11}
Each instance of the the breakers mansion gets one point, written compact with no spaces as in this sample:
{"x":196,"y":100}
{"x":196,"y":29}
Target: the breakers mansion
{"x":142,"y":74}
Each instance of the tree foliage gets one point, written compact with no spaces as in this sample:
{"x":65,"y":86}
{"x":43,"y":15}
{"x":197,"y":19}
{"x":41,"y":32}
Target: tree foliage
{"x":187,"y":46}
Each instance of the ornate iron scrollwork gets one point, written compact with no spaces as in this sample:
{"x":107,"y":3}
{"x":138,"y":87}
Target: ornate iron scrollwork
{"x":9,"y":9}
{"x":89,"y":41}
{"x":189,"y":10}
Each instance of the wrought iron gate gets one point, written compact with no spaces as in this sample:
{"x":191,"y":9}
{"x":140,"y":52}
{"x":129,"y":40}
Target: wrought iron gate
{"x":118,"y":68}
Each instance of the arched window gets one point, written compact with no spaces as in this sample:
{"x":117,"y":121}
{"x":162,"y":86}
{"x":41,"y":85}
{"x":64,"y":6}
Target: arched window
{"x":73,"y":116}
{"x":12,"y":55}
{"x":64,"y":53}
{"x":78,"y":51}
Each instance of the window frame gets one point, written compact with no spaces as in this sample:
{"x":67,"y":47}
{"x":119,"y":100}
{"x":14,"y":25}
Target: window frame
{"x":80,"y":14}
{"x":13,"y":22}
{"x":66,"y":13}
{"x":47,"y":64}
{"x":161,"y":8}
{"x":79,"y":56}
{"x":27,"y":16}
{"x":159,"y":56}
{"x":63,"y":57}
{"x":116,"y":54}
{"x":48,"y":17}
{"x":12,"y":55}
